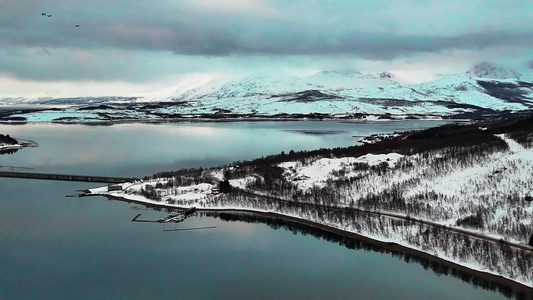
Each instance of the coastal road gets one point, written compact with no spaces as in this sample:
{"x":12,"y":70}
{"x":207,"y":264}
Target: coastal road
{"x":397,"y":216}
{"x":213,"y":175}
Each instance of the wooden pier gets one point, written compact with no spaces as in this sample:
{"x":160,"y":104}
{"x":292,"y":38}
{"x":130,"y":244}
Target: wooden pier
{"x":64,"y":177}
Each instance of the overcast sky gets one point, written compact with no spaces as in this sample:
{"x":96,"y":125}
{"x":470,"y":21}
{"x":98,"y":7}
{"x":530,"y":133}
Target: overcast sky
{"x":126,"y":47}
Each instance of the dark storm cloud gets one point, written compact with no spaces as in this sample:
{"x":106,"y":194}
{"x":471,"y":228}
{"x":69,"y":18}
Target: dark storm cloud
{"x":182,"y":30}
{"x":368,"y":30}
{"x":221,"y":38}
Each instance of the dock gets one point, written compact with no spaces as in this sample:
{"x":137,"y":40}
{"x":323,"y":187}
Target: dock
{"x":65,"y":177}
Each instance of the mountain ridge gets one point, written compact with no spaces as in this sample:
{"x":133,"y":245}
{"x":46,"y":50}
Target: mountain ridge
{"x":336,"y":94}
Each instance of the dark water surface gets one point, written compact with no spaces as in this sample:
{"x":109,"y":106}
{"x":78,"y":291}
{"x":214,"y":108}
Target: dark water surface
{"x":54,"y":247}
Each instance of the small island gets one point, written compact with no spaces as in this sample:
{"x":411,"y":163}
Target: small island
{"x":460,"y":193}
{"x":9,"y":144}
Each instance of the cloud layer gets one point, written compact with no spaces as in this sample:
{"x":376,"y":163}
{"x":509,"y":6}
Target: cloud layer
{"x":139,"y":41}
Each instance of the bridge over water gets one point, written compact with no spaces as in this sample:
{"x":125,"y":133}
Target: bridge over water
{"x":65,"y":177}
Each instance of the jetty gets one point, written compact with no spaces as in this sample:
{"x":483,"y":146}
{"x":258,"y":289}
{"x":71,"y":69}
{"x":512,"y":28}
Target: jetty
{"x":65,"y":177}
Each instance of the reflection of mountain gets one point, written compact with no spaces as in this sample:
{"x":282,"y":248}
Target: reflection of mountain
{"x":357,"y":244}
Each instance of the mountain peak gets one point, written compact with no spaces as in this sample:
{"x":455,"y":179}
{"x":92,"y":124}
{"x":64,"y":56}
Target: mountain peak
{"x":340,"y":73}
{"x":493,"y":71}
{"x":387,"y":75}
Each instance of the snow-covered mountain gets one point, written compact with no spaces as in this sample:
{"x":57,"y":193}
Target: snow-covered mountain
{"x":268,"y":85}
{"x":493,"y":71}
{"x":485,"y":88}
{"x":346,"y":92}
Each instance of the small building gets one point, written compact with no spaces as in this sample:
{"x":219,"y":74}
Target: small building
{"x":114,"y":187}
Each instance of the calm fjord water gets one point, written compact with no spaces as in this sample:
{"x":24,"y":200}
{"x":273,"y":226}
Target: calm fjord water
{"x":53,"y":247}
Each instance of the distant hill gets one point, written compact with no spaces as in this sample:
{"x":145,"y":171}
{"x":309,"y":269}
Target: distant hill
{"x":486,"y":88}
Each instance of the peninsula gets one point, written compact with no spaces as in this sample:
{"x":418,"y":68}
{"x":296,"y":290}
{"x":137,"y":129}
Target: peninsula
{"x":461,"y":193}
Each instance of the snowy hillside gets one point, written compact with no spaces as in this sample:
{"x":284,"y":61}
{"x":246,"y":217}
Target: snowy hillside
{"x":485,"y":89}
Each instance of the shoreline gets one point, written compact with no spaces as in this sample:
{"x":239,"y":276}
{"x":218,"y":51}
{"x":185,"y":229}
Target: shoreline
{"x":11,"y":147}
{"x":103,"y":122}
{"x":391,"y":246}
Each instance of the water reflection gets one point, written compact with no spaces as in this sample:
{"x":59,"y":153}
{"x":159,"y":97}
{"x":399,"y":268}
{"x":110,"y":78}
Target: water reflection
{"x":356,"y":244}
{"x":8,"y":151}
{"x":137,"y":150}
{"x":349,"y":242}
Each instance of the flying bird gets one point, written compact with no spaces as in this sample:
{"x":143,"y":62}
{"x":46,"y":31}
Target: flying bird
{"x":49,"y":16}
{"x":43,"y":14}
{"x":77,"y":25}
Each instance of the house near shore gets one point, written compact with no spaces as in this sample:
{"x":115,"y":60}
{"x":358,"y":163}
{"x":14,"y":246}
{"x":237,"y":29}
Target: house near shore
{"x":114,"y":187}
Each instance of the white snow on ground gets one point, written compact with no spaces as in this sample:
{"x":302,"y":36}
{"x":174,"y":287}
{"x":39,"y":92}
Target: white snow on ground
{"x":218,"y":174}
{"x":487,"y":183}
{"x":315,"y":173}
{"x":10,"y":146}
{"x":72,"y":115}
{"x":241,"y":182}
{"x":177,"y":195}
{"x":514,"y":147}
{"x":320,"y":170}
{"x":376,"y":159}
